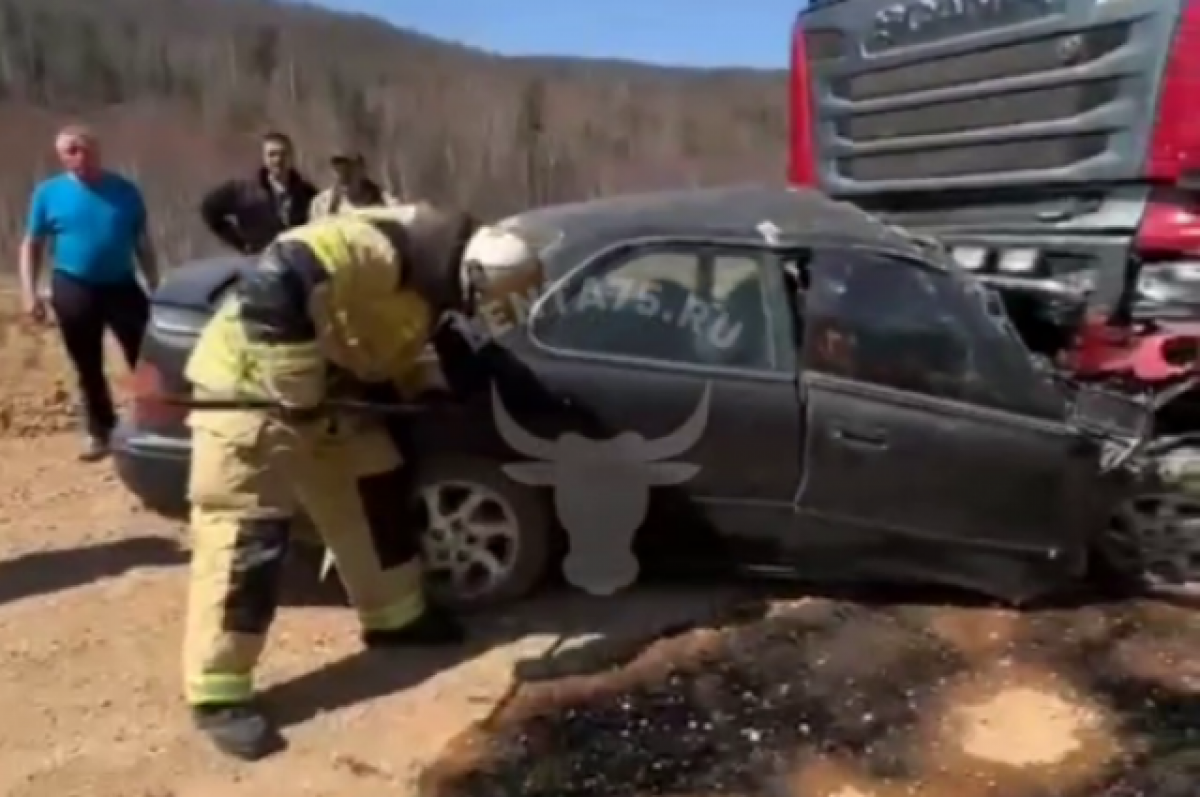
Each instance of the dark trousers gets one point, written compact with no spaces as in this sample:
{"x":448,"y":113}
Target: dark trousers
{"x":84,"y":310}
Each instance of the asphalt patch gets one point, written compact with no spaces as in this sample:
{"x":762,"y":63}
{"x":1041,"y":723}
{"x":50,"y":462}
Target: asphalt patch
{"x":826,"y":698}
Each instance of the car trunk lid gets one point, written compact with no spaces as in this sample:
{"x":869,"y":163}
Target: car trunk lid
{"x":178,"y":311}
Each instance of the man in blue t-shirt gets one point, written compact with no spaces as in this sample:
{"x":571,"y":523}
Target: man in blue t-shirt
{"x":92,"y":223}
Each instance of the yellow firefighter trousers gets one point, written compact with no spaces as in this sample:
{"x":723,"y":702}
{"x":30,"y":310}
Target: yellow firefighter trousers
{"x":248,"y":476}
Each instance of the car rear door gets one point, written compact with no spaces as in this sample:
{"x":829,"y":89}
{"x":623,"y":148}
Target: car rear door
{"x":926,"y":429}
{"x":662,"y":335}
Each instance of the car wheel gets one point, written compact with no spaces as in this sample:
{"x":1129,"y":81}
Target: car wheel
{"x":1152,"y":545}
{"x":485,"y":539}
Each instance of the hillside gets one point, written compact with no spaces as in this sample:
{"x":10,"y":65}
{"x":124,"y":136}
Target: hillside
{"x":178,"y":89}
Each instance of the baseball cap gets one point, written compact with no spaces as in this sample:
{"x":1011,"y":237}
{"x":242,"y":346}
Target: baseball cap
{"x":345,"y":155}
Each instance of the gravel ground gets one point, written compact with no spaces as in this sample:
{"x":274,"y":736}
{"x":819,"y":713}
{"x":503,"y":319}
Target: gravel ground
{"x":91,"y":596}
{"x":91,"y":600}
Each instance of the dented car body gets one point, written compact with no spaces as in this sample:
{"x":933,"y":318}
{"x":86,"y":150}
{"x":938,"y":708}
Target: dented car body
{"x":1050,"y":145}
{"x":855,"y":408}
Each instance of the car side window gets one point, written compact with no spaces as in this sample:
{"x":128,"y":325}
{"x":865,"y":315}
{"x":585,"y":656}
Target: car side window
{"x":888,"y":321}
{"x":885,"y":321}
{"x":691,"y":304}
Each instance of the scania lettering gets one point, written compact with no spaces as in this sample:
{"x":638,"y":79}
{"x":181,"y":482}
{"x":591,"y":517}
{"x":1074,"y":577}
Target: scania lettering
{"x":922,"y":21}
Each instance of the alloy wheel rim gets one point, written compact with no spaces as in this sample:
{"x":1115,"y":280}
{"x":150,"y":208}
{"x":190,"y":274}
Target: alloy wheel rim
{"x":470,"y":539}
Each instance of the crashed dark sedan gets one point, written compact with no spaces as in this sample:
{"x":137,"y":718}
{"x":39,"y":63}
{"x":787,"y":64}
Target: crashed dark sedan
{"x":810,"y":390}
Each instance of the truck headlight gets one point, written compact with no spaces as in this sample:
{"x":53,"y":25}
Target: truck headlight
{"x":970,"y":258}
{"x":1152,"y":286}
{"x":1018,"y":261}
{"x":1183,"y":272}
{"x":1163,"y":282}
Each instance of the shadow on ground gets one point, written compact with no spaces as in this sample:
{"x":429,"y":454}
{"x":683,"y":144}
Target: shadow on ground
{"x":560,"y":620}
{"x":45,"y":572}
{"x":834,"y":698}
{"x":677,"y":595}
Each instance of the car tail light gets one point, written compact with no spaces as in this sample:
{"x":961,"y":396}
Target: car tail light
{"x":148,"y":393}
{"x":1171,"y":224}
{"x":802,"y":167}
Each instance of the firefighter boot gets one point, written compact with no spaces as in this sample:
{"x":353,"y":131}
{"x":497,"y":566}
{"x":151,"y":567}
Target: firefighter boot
{"x":434,"y":627}
{"x":239,"y":730}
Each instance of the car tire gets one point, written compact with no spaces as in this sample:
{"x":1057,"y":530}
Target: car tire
{"x":536,"y":545}
{"x":1151,"y":546}
{"x":530,"y":513}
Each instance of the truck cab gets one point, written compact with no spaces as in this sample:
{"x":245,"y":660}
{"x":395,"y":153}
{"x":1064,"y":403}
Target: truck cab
{"x":1053,"y":145}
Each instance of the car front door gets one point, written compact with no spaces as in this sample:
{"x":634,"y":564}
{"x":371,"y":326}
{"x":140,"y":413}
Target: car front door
{"x":928,"y":446}
{"x":687,"y":349}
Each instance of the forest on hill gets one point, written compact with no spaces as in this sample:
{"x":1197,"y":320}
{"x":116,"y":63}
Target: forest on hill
{"x":179,"y":91}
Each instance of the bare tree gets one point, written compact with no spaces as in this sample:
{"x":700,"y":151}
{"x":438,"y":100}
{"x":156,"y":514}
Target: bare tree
{"x":179,"y":89}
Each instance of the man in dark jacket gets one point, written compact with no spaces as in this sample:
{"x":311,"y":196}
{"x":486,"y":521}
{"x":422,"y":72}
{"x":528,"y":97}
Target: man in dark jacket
{"x":247,"y":214}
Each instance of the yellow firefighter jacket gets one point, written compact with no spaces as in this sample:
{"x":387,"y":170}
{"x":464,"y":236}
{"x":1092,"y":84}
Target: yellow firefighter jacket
{"x":330,"y":292}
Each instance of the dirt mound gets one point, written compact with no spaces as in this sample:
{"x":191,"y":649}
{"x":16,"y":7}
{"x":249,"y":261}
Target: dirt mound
{"x":834,"y":699}
{"x":37,"y":390}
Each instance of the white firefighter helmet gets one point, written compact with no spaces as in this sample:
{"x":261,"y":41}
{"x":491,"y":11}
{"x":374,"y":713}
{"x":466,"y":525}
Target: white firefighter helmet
{"x":497,"y":249}
{"x":502,"y":269}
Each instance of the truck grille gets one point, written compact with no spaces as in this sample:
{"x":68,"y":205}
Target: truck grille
{"x":1043,"y":153}
{"x":1053,"y":97}
{"x":1009,"y":61}
{"x":1040,"y":105}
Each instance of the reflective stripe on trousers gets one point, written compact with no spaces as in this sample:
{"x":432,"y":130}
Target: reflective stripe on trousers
{"x":246,"y":479}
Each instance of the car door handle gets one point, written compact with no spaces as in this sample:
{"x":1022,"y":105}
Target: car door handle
{"x":862,"y":438}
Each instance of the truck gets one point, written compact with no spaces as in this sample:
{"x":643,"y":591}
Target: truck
{"x":1053,"y":148}
{"x":1052,"y":145}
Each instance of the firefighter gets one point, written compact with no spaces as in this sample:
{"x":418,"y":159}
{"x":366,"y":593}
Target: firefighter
{"x":357,"y":294}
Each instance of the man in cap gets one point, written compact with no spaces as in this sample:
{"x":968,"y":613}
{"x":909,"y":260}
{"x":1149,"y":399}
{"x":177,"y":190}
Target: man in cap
{"x":351,"y":188}
{"x":358,"y":294}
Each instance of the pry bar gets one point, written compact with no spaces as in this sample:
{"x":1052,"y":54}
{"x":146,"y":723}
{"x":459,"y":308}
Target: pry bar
{"x":265,"y":405}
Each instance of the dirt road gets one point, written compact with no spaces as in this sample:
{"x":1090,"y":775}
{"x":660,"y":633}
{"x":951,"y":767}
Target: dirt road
{"x":91,"y":592}
{"x":818,"y":698}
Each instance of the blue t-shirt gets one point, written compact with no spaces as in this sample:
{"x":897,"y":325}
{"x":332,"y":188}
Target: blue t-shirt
{"x":92,"y":228}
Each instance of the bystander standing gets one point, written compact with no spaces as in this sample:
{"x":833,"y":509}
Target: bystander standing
{"x":92,"y":222}
{"x":352,"y":186}
{"x":247,"y":213}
